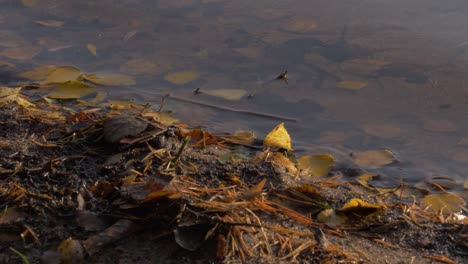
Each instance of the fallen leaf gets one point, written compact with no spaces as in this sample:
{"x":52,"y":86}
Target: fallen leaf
{"x":228,"y":94}
{"x":49,"y":23}
{"x":448,"y":202}
{"x":38,"y":74}
{"x":319,"y":165}
{"x":382,"y":130}
{"x":364,"y":179}
{"x":361,"y":208}
{"x":71,"y":251}
{"x":118,"y":127}
{"x":62,"y":74}
{"x":21,"y":53}
{"x":281,"y":160}
{"x":8,"y":94}
{"x":278,"y":138}
{"x":110,"y":79}
{"x":363,"y":67}
{"x":71,"y":90}
{"x":334,"y":137}
{"x":439,"y":125}
{"x":29,"y":3}
{"x":181,"y":77}
{"x":351,"y":85}
{"x":300,"y":26}
{"x":92,"y":49}
{"x":374,"y":158}
{"x":141,"y":67}
{"x":465,"y":184}
{"x":161,"y":117}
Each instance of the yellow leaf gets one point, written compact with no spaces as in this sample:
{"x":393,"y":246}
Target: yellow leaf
{"x":319,"y":165}
{"x":141,"y":67}
{"x":182,"y":77}
{"x":351,"y":85}
{"x":110,"y":79}
{"x":374,"y":158}
{"x":92,"y":48}
{"x":62,"y":74}
{"x":364,"y":179}
{"x":278,"y":138}
{"x":281,"y":160}
{"x":71,"y":90}
{"x":38,"y":74}
{"x":21,"y":53}
{"x":49,"y":23}
{"x":358,"y":207}
{"x":8,"y":94}
{"x":448,"y":202}
{"x":71,"y":251}
{"x":228,"y":94}
{"x":161,"y":117}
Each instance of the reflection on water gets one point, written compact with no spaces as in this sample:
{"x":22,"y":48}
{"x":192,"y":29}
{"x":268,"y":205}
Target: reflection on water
{"x":362,"y":74}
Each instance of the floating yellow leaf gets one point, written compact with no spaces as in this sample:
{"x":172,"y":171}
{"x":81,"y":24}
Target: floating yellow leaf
{"x":92,"y":48}
{"x":374,"y":158}
{"x":278,"y":138}
{"x":351,"y":85}
{"x":71,"y":90}
{"x":141,"y":67}
{"x":38,"y":74}
{"x":358,"y":207}
{"x":110,"y":79}
{"x":319,"y":165}
{"x":21,"y":53}
{"x":228,"y":94}
{"x":448,"y":202}
{"x":382,"y":130}
{"x":49,"y":23}
{"x":182,"y":77}
{"x":62,"y":74}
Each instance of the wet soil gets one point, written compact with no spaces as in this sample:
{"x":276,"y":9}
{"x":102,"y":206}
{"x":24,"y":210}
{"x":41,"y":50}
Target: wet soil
{"x":70,"y":193}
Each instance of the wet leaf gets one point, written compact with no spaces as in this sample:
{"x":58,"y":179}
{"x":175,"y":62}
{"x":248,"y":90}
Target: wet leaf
{"x":300,"y":26}
{"x":439,"y":125}
{"x":141,"y":67}
{"x":365,"y":67}
{"x":351,"y":85}
{"x":21,"y":53}
{"x":161,"y":117}
{"x":181,"y":77}
{"x":29,"y":3}
{"x":71,"y":251}
{"x":71,"y":90}
{"x":281,"y":160}
{"x":110,"y":79}
{"x":8,"y":94}
{"x":361,"y":208}
{"x":278,"y":138}
{"x":328,"y":217}
{"x":374,"y":158}
{"x":62,"y":74}
{"x":49,"y":23}
{"x":448,"y":202}
{"x":92,"y":49}
{"x":191,"y":237}
{"x":39,"y":73}
{"x":228,"y":94}
{"x":103,"y":188}
{"x":334,"y":137}
{"x":253,"y":192}
{"x":382,"y":130}
{"x":241,"y":137}
{"x":118,"y":127}
{"x":319,"y":165}
{"x":90,"y":221}
{"x":364,"y":179}
{"x":250,"y":52}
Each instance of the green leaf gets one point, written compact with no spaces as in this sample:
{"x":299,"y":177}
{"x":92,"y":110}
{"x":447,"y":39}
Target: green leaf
{"x":71,"y":90}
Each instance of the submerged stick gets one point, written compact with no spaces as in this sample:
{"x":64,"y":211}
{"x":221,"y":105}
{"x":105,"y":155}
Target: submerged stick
{"x":224,"y":108}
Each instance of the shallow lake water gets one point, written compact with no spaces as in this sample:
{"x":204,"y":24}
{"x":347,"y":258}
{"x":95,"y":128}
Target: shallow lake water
{"x":362,"y":74}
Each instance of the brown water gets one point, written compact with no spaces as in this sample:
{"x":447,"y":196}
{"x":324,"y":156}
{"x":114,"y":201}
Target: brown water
{"x":412,"y":57}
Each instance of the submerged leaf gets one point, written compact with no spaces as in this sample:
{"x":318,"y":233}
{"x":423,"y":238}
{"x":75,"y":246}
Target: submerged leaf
{"x":351,"y":85}
{"x":161,"y":117}
{"x":319,"y":165}
{"x":92,"y":49}
{"x":110,"y":79}
{"x":300,"y":26}
{"x":21,"y":53}
{"x":374,"y":158}
{"x":71,"y":90}
{"x":228,"y":94}
{"x":49,"y":23}
{"x":448,"y":202}
{"x":39,"y":73}
{"x":181,"y":77}
{"x":439,"y":125}
{"x":62,"y":74}
{"x":8,"y":94}
{"x":71,"y":251}
{"x":278,"y":138}
{"x":382,"y":130}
